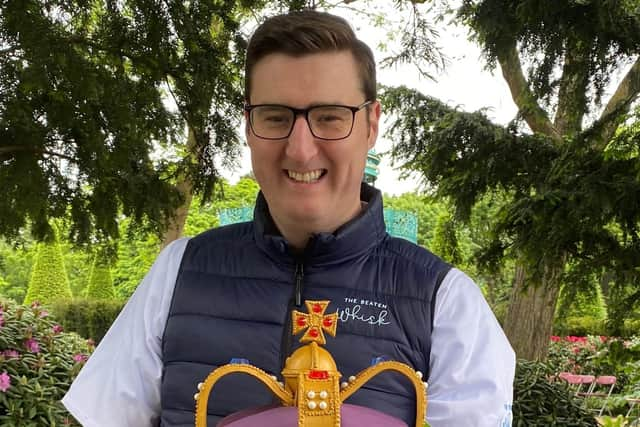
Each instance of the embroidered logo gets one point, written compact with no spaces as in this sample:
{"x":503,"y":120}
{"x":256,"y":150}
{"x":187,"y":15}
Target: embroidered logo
{"x":363,"y":310}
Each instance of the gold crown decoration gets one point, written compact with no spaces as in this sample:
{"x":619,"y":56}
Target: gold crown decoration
{"x":311,"y":378}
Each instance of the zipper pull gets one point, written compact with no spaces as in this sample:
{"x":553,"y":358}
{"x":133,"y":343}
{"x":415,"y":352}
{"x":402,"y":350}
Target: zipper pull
{"x":299,"y":277}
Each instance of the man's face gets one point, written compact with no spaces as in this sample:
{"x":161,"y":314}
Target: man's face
{"x":308,"y":182}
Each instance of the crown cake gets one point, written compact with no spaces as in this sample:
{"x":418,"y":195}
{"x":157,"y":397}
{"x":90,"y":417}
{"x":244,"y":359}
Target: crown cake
{"x":311,"y":394}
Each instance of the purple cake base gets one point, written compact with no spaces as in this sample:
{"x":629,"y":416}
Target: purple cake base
{"x":283,"y":416}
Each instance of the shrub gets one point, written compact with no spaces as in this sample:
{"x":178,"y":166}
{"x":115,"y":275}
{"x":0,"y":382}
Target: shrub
{"x":38,"y":362}
{"x":100,"y":284}
{"x":580,"y":326}
{"x":89,"y":318}
{"x":539,"y":402}
{"x":49,"y":280}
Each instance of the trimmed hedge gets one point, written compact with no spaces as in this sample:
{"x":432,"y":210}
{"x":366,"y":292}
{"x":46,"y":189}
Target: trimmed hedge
{"x":585,"y":326}
{"x":88,"y":318}
{"x":49,"y":281}
{"x":100,"y":284}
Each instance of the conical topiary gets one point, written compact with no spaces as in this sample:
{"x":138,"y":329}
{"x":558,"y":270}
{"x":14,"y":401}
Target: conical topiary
{"x":49,"y":281}
{"x":100,"y":284}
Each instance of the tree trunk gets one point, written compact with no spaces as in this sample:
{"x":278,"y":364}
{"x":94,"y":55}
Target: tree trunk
{"x":175,"y":225}
{"x":529,"y":320}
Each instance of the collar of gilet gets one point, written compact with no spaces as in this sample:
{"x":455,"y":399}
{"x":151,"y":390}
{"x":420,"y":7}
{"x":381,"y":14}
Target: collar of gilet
{"x":353,"y":239}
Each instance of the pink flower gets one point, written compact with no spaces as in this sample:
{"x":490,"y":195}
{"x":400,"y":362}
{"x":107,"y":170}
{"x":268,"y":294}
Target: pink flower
{"x":44,"y":313}
{"x":80,"y":358}
{"x":5,"y":381}
{"x":57,"y":329}
{"x":32,"y":345}
{"x":555,"y":338}
{"x":9,"y":354}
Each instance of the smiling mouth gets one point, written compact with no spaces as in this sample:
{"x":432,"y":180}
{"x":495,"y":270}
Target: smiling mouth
{"x":306,"y":177}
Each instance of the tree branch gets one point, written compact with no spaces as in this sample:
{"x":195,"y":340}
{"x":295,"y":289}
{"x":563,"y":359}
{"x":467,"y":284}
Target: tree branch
{"x":526,"y":102}
{"x":572,"y":99}
{"x":9,"y":149}
{"x":617,"y":107}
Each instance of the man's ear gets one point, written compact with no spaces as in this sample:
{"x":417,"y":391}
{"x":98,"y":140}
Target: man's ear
{"x":374,"y":120}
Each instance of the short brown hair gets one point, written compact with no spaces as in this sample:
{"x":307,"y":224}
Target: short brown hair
{"x":308,"y":32}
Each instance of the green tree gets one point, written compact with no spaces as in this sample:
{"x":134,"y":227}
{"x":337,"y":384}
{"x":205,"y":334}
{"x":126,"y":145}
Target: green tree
{"x":76,"y":123}
{"x":90,"y":89}
{"x":49,"y":281}
{"x":566,"y":183}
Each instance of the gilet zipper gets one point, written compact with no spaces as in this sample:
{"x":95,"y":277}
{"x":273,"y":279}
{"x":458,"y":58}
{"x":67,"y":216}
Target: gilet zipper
{"x":294,"y":302}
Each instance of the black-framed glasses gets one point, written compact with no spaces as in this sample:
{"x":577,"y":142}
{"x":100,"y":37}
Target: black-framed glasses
{"x":327,"y":122}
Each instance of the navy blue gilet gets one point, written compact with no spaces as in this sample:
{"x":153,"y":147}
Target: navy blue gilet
{"x":237,"y":285}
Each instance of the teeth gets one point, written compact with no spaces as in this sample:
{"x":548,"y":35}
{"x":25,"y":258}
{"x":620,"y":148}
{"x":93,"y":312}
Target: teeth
{"x":305,"y":177}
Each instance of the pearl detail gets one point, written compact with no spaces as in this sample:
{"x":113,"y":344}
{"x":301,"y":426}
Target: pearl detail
{"x":323,"y":395}
{"x":344,"y":385}
{"x":195,"y":396}
{"x":352,"y":379}
{"x":311,"y":394}
{"x":323,"y":405}
{"x":200,"y":385}
{"x":311,"y":405}
{"x":419,"y":374}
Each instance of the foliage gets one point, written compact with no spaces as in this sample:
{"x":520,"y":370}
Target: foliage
{"x":87,"y":317}
{"x":77,"y":123}
{"x":547,"y":32}
{"x":445,"y":240}
{"x":15,"y":267}
{"x":100,"y":284}
{"x":601,"y":356}
{"x":565,"y":203}
{"x":581,"y":300}
{"x":49,"y":281}
{"x":564,"y":199}
{"x":538,"y":402}
{"x":41,"y":361}
{"x":618,"y":421}
{"x":242,"y":194}
{"x":84,"y":105}
{"x":425,"y":209}
{"x":579,"y":326}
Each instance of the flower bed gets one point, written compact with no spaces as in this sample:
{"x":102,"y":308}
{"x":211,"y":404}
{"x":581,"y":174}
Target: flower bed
{"x":38,"y":362}
{"x":600,"y":355}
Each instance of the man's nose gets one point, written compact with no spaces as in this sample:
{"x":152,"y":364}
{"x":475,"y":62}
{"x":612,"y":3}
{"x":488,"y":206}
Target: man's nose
{"x":301,"y":144}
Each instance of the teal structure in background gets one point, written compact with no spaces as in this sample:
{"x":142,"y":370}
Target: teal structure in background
{"x":399,"y":223}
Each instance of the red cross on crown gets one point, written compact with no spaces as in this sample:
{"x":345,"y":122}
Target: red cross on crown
{"x":315,"y":322}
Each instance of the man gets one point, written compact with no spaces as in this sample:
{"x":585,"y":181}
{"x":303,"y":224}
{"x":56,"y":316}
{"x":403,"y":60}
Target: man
{"x":318,"y":233}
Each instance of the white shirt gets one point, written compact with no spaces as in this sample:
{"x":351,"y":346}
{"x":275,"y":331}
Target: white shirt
{"x":471,"y":368}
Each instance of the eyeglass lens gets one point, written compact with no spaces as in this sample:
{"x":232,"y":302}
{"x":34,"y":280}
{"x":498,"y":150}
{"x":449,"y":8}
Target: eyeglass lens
{"x":326,"y":122}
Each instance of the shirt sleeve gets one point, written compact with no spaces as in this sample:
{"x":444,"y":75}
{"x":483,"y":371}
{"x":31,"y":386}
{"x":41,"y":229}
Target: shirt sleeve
{"x":120,"y":383}
{"x":472,"y":364}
